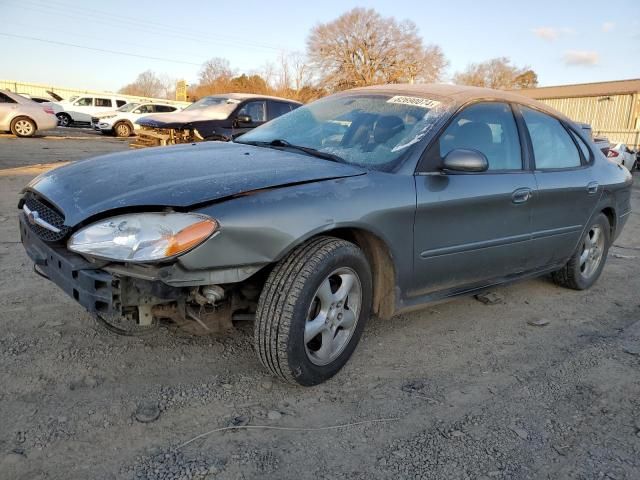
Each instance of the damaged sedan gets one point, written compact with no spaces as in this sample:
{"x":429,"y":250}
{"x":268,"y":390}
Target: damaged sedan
{"x":373,"y":201}
{"x":217,"y":117}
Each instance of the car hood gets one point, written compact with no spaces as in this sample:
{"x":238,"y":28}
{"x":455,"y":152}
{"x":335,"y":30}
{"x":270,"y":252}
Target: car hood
{"x":181,"y":118}
{"x":178,"y":176}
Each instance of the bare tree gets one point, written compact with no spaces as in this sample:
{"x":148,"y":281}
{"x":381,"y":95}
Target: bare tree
{"x":147,"y":84}
{"x":496,"y":73}
{"x":363,"y":48}
{"x":215,"y":70}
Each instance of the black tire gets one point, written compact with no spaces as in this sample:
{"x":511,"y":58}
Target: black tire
{"x":573,"y":274}
{"x":23,"y":127}
{"x":64,"y":119}
{"x":286,"y":301}
{"x":122,"y":130}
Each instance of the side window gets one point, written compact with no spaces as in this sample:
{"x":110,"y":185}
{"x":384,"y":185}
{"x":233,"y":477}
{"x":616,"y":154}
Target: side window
{"x":103,"y":102}
{"x":120,"y":103}
{"x":255,"y":110}
{"x":84,"y":102}
{"x":552,"y":145}
{"x":145,"y":109}
{"x":6,"y":98}
{"x":489,"y":128}
{"x":164,"y":108}
{"x":586,"y":153}
{"x":277,"y":109}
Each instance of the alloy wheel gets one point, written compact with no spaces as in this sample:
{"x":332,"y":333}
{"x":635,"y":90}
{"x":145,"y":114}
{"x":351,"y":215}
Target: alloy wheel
{"x":592,"y":251}
{"x":333,"y":315}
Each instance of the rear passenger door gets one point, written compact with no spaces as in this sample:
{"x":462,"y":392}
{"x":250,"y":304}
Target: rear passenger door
{"x":471,"y":228}
{"x":276,"y":109}
{"x":567,"y":191}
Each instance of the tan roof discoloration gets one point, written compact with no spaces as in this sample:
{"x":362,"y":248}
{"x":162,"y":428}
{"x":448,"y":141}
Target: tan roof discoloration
{"x":458,"y":94}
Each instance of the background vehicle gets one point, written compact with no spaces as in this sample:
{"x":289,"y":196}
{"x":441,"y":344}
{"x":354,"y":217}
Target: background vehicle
{"x":375,"y":200}
{"x":80,"y":109}
{"x":122,"y":122}
{"x":622,"y":155}
{"x":23,"y":117}
{"x":40,"y":99}
{"x":217,"y":117}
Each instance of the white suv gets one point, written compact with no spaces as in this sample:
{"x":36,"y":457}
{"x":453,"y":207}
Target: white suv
{"x":122,"y":122}
{"x":81,"y":108}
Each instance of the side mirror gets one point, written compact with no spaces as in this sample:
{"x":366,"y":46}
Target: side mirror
{"x":465,"y":160}
{"x":137,"y":110}
{"x":243,"y":119}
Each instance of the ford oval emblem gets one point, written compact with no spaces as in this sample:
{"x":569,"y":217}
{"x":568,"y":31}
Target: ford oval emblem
{"x":33,"y":217}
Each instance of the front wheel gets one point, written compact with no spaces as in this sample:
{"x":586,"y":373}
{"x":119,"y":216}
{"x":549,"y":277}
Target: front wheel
{"x":585,"y":266}
{"x":122,"y":130}
{"x":312,"y":311}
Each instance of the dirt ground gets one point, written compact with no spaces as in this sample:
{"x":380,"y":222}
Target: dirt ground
{"x":458,"y":390}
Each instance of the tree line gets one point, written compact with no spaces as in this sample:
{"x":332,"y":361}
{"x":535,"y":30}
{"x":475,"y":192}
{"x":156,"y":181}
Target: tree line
{"x":359,"y":48}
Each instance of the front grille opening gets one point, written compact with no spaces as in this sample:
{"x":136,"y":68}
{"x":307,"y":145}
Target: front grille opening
{"x":99,"y":284}
{"x":76,"y":294}
{"x":49,"y":214}
{"x":102,"y":306}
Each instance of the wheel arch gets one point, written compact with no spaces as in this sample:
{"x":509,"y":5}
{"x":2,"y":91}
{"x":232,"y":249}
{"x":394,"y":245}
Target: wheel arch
{"x":18,"y":117}
{"x":383,"y":270}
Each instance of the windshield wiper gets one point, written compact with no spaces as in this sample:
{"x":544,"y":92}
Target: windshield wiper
{"x":281,"y":143}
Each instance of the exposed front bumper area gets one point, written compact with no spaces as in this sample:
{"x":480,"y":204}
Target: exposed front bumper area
{"x":96,"y":290}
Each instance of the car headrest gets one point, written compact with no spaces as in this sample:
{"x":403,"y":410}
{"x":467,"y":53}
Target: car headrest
{"x":475,"y":135}
{"x":386,"y":127}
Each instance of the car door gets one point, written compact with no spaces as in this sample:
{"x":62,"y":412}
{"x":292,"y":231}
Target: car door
{"x":473,"y":228}
{"x":256,"y":110}
{"x":82,"y":109}
{"x":567,"y":190}
{"x":8,"y":107}
{"x":276,"y":109}
{"x":103,"y":105}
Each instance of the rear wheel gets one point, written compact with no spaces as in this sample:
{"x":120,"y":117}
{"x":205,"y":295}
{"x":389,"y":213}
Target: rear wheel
{"x":122,"y":130}
{"x":23,"y":127}
{"x":586,"y":264}
{"x":312,"y":311}
{"x":64,"y":119}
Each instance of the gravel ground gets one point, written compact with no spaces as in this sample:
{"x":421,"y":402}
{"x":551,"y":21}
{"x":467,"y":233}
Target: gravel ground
{"x":461,"y":389}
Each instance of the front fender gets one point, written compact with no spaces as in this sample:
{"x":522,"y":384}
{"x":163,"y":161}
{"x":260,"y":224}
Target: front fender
{"x":261,"y":227}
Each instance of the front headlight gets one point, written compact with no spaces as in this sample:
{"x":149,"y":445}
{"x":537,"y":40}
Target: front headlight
{"x":143,"y":237}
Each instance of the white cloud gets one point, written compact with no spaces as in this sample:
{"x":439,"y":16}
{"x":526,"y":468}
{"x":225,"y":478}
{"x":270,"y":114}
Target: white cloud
{"x":581,"y":57}
{"x":608,"y":26}
{"x":552,"y":33}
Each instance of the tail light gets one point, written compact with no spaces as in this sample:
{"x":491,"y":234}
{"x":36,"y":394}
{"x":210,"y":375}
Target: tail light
{"x":612,"y":154}
{"x":48,"y":109}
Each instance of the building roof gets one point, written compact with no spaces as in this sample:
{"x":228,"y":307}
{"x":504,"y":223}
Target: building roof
{"x":596,"y":89}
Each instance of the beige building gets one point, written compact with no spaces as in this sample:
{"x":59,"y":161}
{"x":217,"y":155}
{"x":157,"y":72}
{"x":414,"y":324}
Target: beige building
{"x":612,"y":108}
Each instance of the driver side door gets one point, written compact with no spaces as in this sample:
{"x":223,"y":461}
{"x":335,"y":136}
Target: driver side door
{"x":473,"y":228}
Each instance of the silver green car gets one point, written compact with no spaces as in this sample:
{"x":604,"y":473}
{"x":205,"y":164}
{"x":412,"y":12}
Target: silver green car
{"x":368,"y":202}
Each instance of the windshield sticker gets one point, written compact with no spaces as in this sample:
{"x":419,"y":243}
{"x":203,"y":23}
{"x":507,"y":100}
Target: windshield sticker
{"x":414,"y":101}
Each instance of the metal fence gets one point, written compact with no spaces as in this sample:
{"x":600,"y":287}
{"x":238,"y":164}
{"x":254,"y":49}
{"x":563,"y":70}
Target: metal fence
{"x":64,"y":92}
{"x":631,"y":138}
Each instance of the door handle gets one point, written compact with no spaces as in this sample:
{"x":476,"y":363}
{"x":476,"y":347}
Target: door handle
{"x":592,"y":188}
{"x":521,"y":195}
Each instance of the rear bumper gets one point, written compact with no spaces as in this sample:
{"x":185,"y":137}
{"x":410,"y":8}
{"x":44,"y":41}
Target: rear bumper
{"x":94,"y":289}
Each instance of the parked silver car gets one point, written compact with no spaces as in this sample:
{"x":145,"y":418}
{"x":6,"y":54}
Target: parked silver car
{"x":24,"y":117}
{"x":371,"y":201}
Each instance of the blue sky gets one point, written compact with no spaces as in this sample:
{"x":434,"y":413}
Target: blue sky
{"x":564,"y":42}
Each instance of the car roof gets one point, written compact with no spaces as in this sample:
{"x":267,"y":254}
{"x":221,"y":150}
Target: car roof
{"x":245,"y":96}
{"x":17,"y":97}
{"x":458,"y":94}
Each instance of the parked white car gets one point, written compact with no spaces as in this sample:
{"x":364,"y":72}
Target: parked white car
{"x":622,"y":155}
{"x":122,"y":122}
{"x":23,"y":117}
{"x":80,"y":108}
